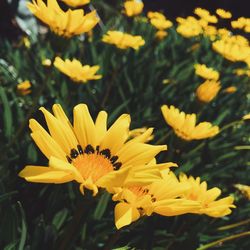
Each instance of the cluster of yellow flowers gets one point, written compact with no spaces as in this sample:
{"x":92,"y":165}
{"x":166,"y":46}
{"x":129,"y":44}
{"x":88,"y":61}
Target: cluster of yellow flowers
{"x":118,"y":159}
{"x":96,"y":157}
{"x":192,"y":26}
{"x":160,"y":22}
{"x":242,"y":23}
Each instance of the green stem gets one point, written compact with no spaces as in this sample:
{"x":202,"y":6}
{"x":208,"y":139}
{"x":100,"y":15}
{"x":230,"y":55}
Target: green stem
{"x":244,"y":147}
{"x":221,"y":241}
{"x":229,"y":125}
{"x":234,"y":225}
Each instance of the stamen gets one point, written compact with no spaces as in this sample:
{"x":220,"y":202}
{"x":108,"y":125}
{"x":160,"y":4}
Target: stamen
{"x":69,"y":159}
{"x":80,"y":149}
{"x":114,"y":159}
{"x":89,"y":149}
{"x":117,"y":165}
{"x":73,"y":153}
{"x":106,"y":153}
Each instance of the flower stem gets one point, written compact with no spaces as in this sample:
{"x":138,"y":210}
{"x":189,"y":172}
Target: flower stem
{"x":221,"y":241}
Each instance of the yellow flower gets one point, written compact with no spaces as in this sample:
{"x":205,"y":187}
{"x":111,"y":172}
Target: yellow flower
{"x":205,"y":72}
{"x":76,"y":71}
{"x":208,"y":90}
{"x":123,"y":40}
{"x":133,"y":7}
{"x":66,"y":24}
{"x":161,"y":34}
{"x":184,"y":125}
{"x":46,"y":62}
{"x":241,"y":23}
{"x":246,"y":117}
{"x":76,"y":3}
{"x":207,"y":197}
{"x":210,"y":31}
{"x":223,"y":32}
{"x":204,"y":14}
{"x":159,"y":21}
{"x":24,"y":88}
{"x":161,"y":197}
{"x":233,"y":48}
{"x":230,"y":90}
{"x":242,"y":72}
{"x":89,"y":153}
{"x":245,"y":189}
{"x":224,"y":14}
{"x":189,"y":27}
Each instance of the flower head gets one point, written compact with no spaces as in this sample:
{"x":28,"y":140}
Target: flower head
{"x":133,"y":7}
{"x":76,"y":71}
{"x":24,"y":88}
{"x":76,"y":3}
{"x":205,"y":15}
{"x":208,"y":90}
{"x":159,"y":21}
{"x":246,"y":117}
{"x":123,"y":40}
{"x":205,"y":72}
{"x":233,"y":48}
{"x":161,"y":34}
{"x":184,"y":125}
{"x":207,"y":197}
{"x":66,"y":24}
{"x":189,"y":27}
{"x":230,"y":90}
{"x":224,"y":14}
{"x":245,"y":189}
{"x":161,"y":197}
{"x":89,"y":153}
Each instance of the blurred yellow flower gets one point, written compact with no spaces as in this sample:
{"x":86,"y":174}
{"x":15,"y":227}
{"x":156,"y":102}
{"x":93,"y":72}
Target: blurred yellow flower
{"x":76,"y":3}
{"x":133,"y":7}
{"x":76,"y":71}
{"x":24,"y":88}
{"x":241,"y":72}
{"x":233,"y":48}
{"x":205,"y":14}
{"x":206,"y":72}
{"x":241,"y":23}
{"x":46,"y":62}
{"x":161,"y":34}
{"x":208,"y":90}
{"x":230,"y":90}
{"x":66,"y":24}
{"x":246,"y":117}
{"x":189,"y":27}
{"x":159,"y":21}
{"x":210,"y":31}
{"x":207,"y":197}
{"x":89,"y":153}
{"x":245,"y":189}
{"x":224,"y":14}
{"x":123,"y":40}
{"x":184,"y":125}
{"x":161,"y":197}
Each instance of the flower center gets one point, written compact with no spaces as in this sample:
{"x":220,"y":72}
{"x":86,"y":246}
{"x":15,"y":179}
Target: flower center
{"x":93,"y":163}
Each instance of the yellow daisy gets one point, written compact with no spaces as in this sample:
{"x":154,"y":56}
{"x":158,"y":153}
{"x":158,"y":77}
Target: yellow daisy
{"x":123,"y":40}
{"x":76,"y":71}
{"x":233,"y":48}
{"x":184,"y":125}
{"x":206,"y":72}
{"x":161,"y":197}
{"x":66,"y":24}
{"x":133,"y":7}
{"x":24,"y":88}
{"x":245,"y":189}
{"x":159,"y":21}
{"x":76,"y":3}
{"x":207,"y":197}
{"x":89,"y":153}
{"x":224,"y":14}
{"x":208,"y":90}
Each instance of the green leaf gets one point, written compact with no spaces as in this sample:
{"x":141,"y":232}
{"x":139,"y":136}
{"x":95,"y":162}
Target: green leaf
{"x":101,"y":206}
